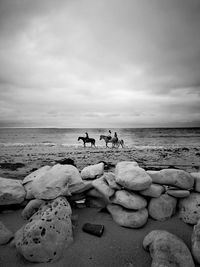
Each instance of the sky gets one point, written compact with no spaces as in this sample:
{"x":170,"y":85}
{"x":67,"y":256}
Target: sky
{"x":107,"y":63}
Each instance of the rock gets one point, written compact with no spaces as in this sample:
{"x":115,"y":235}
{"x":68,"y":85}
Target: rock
{"x":110,"y":178}
{"x":11,"y":191}
{"x":196,"y":242}
{"x":174,"y":177}
{"x":102,"y":186}
{"x":92,"y":171}
{"x":48,"y":232}
{"x":28,"y":180}
{"x":196,"y":176}
{"x":178,"y":193}
{"x":5,"y":234}
{"x":167,"y":249}
{"x":84,"y":186}
{"x":126,"y":217}
{"x":155,"y":190}
{"x":37,"y":173}
{"x":60,"y":180}
{"x":31,"y":208}
{"x":94,"y":193}
{"x":132,"y":177}
{"x":66,"y":161}
{"x":92,"y":202}
{"x":129,"y":200}
{"x":189,"y":208}
{"x":162,"y":208}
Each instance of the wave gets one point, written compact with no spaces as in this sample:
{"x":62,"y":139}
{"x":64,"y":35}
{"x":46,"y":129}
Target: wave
{"x":27,"y":144}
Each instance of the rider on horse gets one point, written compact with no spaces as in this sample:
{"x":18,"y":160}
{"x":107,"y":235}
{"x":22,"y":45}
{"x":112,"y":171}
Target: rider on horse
{"x":109,"y":135}
{"x":87,"y":136}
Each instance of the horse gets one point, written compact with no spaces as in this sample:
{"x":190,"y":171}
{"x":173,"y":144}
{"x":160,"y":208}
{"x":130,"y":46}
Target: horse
{"x":87,"y":140}
{"x":115,"y":141}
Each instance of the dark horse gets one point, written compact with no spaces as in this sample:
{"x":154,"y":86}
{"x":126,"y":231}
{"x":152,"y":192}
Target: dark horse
{"x":87,"y":140}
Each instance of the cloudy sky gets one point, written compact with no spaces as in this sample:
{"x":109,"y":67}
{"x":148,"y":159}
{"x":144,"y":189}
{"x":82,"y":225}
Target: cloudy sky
{"x":99,"y":63}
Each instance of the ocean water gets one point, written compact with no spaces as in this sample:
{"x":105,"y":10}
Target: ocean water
{"x":133,"y":137}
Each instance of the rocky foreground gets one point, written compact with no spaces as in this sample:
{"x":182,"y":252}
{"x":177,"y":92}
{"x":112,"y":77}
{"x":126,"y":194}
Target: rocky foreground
{"x":131,"y":195}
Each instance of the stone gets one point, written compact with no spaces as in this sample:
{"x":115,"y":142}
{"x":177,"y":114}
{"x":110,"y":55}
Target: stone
{"x":126,"y":217}
{"x":60,"y":180}
{"x":189,"y":208}
{"x":27,"y":182}
{"x":196,"y":176}
{"x":102,"y":186}
{"x":92,"y":202}
{"x":132,"y":177}
{"x":94,"y":193}
{"x":11,"y":191}
{"x":31,"y":208}
{"x":155,"y":190}
{"x":167,"y":249}
{"x":110,"y":178}
{"x":39,"y":172}
{"x":5,"y":234}
{"x":195,"y":238}
{"x":178,"y":193}
{"x":47,"y":234}
{"x":83,"y":187}
{"x":162,"y":208}
{"x":129,"y":200}
{"x":174,"y":177}
{"x":92,"y":171}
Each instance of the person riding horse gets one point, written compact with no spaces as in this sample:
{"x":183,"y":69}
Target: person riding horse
{"x":87,"y":139}
{"x":109,"y":135}
{"x":87,"y":136}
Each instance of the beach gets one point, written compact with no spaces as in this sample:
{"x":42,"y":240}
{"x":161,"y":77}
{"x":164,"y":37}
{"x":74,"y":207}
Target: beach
{"x":150,"y":158}
{"x":119,"y":246}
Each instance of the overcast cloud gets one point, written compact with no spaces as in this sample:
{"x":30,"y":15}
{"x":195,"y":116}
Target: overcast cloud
{"x":107,"y":63}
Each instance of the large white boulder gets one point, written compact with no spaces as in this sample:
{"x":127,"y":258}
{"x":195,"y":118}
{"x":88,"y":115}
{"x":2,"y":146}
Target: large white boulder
{"x":132,"y":177}
{"x":28,"y":180}
{"x":167,"y":250}
{"x":129,"y":200}
{"x":60,"y":180}
{"x":93,"y":171}
{"x":126,"y":217}
{"x":11,"y":191}
{"x":162,"y":208}
{"x":174,"y":177}
{"x":189,"y":208}
{"x":48,"y":232}
{"x":39,"y":172}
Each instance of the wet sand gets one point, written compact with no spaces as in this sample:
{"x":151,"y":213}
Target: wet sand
{"x":148,"y":158}
{"x":118,"y":246}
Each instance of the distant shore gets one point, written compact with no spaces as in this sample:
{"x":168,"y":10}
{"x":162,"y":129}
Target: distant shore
{"x":29,"y":158}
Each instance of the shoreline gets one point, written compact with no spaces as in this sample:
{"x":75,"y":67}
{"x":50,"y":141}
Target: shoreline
{"x":156,"y":158}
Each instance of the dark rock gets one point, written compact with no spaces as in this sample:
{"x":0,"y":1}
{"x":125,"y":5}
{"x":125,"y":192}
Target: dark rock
{"x":12,"y":166}
{"x":66,"y":161}
{"x":93,"y":229}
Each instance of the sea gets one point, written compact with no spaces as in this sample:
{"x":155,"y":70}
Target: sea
{"x":133,"y":137}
